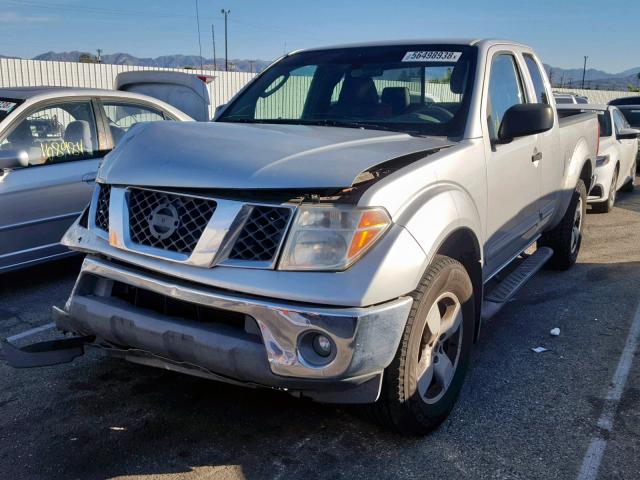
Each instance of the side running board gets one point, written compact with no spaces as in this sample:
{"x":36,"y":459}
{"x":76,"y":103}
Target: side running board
{"x":495,"y":299}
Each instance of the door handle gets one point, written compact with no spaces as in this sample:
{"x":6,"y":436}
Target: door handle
{"x":89,"y":178}
{"x":536,"y":157}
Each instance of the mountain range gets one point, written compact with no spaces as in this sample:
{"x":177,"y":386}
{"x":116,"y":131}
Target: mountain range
{"x":166,"y":61}
{"x":567,"y":77}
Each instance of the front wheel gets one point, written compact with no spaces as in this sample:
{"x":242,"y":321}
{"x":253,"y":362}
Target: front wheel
{"x":421,"y":385}
{"x":607,"y":205}
{"x":631,"y":184}
{"x":566,"y":238}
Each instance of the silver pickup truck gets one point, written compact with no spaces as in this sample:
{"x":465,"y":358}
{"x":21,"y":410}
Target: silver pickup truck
{"x":339,"y":231}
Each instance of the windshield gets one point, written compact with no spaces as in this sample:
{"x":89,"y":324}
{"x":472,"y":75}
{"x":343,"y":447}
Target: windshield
{"x":415,"y":89}
{"x":632,"y":115}
{"x":7,"y":105}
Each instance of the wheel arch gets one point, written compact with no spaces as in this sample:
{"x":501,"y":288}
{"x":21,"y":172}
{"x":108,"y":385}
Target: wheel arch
{"x":463,"y":245}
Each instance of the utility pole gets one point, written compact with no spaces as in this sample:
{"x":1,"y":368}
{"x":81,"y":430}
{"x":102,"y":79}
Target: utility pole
{"x":251,"y":62}
{"x":584,"y":70}
{"x":226,"y":51}
{"x":213,"y":39}
{"x":99,"y":57}
{"x":199,"y":39}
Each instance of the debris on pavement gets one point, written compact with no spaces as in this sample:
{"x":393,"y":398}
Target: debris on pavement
{"x":540,"y":349}
{"x":555,"y":332}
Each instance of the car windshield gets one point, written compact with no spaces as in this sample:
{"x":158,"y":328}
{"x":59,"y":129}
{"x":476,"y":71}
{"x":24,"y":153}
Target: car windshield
{"x":415,"y":89}
{"x":564,"y":100}
{"x":7,"y":105}
{"x":632,"y":115}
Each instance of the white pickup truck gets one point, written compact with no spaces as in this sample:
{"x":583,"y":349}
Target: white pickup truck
{"x":337,"y":232}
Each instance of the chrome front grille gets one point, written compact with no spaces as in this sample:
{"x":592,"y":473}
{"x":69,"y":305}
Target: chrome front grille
{"x":261,"y":234}
{"x":102,"y":208}
{"x":190,"y":229}
{"x":168,"y":221}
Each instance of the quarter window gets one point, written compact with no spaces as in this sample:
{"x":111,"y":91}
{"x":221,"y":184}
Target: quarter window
{"x":56,"y":133}
{"x":505,"y":91}
{"x":536,"y":77}
{"x":122,"y":116}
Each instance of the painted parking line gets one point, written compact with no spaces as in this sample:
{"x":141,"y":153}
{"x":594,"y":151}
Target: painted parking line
{"x":33,"y":331}
{"x":593,"y":457}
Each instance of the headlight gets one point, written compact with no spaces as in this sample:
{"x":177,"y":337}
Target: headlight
{"x":331,"y":237}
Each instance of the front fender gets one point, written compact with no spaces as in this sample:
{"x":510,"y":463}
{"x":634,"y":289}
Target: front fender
{"x":436,"y":213}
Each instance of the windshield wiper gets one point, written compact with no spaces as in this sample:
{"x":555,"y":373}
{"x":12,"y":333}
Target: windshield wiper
{"x":324,"y":123}
{"x":362,"y":125}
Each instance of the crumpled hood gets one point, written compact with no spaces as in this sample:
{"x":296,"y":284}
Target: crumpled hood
{"x":252,"y":156}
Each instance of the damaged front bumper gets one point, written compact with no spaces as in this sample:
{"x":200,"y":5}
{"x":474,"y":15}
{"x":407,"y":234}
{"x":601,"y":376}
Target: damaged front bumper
{"x":161,"y":321}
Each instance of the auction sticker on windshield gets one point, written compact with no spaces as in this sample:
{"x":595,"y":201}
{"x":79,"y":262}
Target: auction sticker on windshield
{"x":6,"y":106}
{"x":431,"y":56}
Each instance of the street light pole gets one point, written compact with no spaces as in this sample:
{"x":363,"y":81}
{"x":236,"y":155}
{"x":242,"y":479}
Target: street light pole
{"x":584,"y":70}
{"x":226,"y":52}
{"x":213,"y":39}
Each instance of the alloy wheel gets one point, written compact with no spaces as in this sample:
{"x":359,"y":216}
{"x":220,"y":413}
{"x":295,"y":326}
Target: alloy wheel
{"x":440,"y":347}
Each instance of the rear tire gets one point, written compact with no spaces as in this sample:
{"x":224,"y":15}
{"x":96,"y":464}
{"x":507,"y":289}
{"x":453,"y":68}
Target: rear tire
{"x":423,"y":382}
{"x":566,"y":238}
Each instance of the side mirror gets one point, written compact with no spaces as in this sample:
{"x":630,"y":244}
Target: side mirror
{"x":628,"y":134}
{"x":13,"y":159}
{"x":525,"y":119}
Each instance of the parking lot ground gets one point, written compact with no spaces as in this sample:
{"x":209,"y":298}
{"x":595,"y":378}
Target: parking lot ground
{"x":521,"y":414}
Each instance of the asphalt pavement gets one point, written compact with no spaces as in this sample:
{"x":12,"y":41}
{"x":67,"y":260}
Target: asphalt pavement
{"x":521,"y":414}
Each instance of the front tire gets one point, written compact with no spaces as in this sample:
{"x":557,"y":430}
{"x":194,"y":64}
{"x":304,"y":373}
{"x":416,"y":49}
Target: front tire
{"x":566,"y":238}
{"x":607,"y":205}
{"x":423,"y":382}
{"x":631,"y":184}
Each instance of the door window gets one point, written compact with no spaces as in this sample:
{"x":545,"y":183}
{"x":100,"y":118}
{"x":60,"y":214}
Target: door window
{"x":505,"y":91}
{"x":57,"y":133}
{"x":122,"y":116}
{"x":536,"y":77}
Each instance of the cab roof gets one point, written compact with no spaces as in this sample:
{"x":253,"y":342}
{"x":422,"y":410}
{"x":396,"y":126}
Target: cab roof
{"x":486,"y":42}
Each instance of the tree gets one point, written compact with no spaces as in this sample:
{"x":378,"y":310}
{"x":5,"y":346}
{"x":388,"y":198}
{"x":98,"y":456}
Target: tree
{"x":87,"y":58}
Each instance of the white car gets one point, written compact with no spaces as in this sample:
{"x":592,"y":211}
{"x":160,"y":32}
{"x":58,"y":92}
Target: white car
{"x":616,"y":164}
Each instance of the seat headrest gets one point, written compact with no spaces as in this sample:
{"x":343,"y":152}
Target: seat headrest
{"x":21,"y":135}
{"x":397,"y":98}
{"x":358,"y":91}
{"x":459,"y":76}
{"x":77,"y":131}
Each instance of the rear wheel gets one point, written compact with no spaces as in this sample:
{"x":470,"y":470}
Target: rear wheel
{"x":607,"y":205}
{"x":566,"y":238}
{"x":421,"y":385}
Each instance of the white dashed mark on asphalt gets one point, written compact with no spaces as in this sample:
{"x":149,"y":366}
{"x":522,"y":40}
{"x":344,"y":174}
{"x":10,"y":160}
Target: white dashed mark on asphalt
{"x":593,"y":458}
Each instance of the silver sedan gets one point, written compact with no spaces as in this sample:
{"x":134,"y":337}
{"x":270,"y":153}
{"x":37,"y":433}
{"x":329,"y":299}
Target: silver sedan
{"x":51,"y":142}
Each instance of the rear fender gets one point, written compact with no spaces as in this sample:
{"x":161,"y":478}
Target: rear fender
{"x":579,"y":162}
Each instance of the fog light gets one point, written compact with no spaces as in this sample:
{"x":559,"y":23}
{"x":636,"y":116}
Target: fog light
{"x":322,"y":345}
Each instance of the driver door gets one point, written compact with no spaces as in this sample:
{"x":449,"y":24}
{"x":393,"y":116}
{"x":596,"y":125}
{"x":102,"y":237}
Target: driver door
{"x":513,"y":179}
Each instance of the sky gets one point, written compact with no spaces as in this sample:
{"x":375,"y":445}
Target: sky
{"x":561,"y":31}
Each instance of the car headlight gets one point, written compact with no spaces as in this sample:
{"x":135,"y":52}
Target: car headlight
{"x":331,"y":237}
